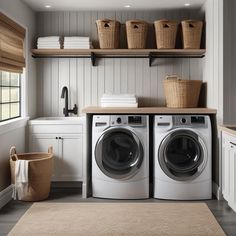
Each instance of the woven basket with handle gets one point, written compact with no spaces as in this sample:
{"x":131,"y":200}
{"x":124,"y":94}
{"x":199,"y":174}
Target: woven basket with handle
{"x":40,"y":172}
{"x":181,"y":93}
{"x":192,"y":34}
{"x":136,"y":34}
{"x":166,"y":31}
{"x":108,"y":33}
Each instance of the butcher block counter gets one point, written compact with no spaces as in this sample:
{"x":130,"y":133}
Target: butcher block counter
{"x":148,"y":110}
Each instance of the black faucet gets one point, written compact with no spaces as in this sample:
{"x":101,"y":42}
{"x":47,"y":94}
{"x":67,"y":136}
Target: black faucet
{"x":66,"y":111}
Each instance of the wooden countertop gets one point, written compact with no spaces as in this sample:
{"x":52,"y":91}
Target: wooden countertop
{"x":148,"y":110}
{"x":226,"y":128}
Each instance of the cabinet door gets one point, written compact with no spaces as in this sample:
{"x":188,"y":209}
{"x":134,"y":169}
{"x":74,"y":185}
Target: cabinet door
{"x":232,"y":171}
{"x":40,"y":143}
{"x":226,"y":152}
{"x":71,"y":161}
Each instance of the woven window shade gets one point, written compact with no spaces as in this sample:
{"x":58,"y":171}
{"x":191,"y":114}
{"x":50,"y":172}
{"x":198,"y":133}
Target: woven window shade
{"x":11,"y":45}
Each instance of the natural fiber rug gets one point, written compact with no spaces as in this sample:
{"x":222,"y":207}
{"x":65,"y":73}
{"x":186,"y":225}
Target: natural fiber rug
{"x":118,"y":219}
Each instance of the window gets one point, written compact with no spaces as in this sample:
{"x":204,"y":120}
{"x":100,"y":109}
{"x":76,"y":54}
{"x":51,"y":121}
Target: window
{"x":10,"y":95}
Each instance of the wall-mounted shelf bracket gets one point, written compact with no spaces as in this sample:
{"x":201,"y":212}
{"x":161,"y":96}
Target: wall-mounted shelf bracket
{"x":151,"y":58}
{"x":93,"y":58}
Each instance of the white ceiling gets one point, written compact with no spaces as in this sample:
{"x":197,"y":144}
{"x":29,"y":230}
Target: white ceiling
{"x":70,"y":5}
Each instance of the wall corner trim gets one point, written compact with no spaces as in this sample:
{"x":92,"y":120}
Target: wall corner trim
{"x":5,"y":196}
{"x":217,"y":191}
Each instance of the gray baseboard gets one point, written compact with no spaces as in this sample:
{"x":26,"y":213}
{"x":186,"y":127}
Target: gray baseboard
{"x":5,"y":196}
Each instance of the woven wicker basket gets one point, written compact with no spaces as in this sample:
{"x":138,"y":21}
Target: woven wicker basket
{"x":181,"y":93}
{"x":40,"y":172}
{"x":192,"y":34}
{"x":166,"y":32}
{"x":108,"y":33}
{"x":136,"y":34}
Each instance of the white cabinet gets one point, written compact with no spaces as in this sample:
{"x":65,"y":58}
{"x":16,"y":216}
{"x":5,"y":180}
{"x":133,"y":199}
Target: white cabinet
{"x":229,"y":169}
{"x":68,"y":154}
{"x":69,"y":148}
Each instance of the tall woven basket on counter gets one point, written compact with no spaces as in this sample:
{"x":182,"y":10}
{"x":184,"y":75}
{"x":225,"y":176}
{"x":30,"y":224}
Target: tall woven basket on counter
{"x":166,"y":31}
{"x":181,"y":93}
{"x":136,"y":34}
{"x":108,"y":33}
{"x":39,"y":173}
{"x":192,"y":34}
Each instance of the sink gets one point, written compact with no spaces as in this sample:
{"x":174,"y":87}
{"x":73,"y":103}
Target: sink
{"x":58,"y":120}
{"x":232,"y":128}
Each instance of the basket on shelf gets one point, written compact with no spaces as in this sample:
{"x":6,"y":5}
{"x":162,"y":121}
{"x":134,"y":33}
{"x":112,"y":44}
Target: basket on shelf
{"x":192,"y":34}
{"x":181,"y":93}
{"x":166,"y":31}
{"x":136,"y":34}
{"x":40,"y":168}
{"x":108,"y":33}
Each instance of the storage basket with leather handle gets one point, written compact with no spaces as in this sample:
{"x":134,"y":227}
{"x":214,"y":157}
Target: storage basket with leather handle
{"x":108,"y":33}
{"x":192,"y":34}
{"x":181,"y":93}
{"x":39,"y":173}
{"x":166,"y":31}
{"x":136,"y":31}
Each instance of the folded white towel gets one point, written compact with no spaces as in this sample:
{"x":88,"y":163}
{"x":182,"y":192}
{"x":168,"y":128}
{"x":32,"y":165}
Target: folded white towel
{"x":118,"y":96}
{"x":76,"y":38}
{"x":48,"y":43}
{"x":77,"y":47}
{"x":77,"y":44}
{"x":119,"y":101}
{"x":49,"y":39}
{"x":119,"y":104}
{"x":20,"y":188}
{"x":48,"y":47}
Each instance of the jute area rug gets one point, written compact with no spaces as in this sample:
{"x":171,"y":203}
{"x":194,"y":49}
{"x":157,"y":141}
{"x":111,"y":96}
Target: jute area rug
{"x":118,"y":219}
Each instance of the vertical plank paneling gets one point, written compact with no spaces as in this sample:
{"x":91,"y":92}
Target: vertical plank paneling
{"x":55,"y":87}
{"x":86,"y":83}
{"x":64,"y":80}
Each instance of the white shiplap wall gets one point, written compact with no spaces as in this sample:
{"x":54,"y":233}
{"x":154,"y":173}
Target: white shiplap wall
{"x":86,"y":83}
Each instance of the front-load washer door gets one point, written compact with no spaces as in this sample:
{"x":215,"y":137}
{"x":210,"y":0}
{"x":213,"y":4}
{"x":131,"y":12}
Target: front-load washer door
{"x":119,"y":153}
{"x":182,"y":155}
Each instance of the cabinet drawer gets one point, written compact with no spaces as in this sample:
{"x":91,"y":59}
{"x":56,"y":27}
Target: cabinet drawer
{"x":56,"y":129}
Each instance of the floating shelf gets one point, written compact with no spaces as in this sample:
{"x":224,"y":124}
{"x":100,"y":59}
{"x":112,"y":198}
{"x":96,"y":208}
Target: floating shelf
{"x":118,"y":53}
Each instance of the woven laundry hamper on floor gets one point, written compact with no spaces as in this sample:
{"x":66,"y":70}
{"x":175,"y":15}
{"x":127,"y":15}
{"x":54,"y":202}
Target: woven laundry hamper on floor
{"x":108,"y":33}
{"x":136,"y":31}
{"x":192,"y":34}
{"x":39,"y":173}
{"x":166,"y":31}
{"x":181,"y":93}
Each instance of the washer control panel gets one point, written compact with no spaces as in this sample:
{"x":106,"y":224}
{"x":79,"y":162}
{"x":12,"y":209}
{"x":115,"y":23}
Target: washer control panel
{"x":189,"y":120}
{"x":131,"y":120}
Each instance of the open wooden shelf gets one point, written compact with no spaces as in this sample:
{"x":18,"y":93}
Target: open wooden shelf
{"x":118,"y":53}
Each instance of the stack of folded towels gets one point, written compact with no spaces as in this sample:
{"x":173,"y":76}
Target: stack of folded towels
{"x":77,"y":42}
{"x":119,"y":100}
{"x":51,"y":42}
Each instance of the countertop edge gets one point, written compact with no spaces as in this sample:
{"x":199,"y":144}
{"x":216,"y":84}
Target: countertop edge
{"x":148,"y":110}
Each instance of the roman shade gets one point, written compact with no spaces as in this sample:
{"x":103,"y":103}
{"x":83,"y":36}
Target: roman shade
{"x":12,"y":37}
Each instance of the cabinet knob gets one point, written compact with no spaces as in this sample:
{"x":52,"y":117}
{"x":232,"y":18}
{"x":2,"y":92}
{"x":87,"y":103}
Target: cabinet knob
{"x":56,"y":137}
{"x":59,"y":137}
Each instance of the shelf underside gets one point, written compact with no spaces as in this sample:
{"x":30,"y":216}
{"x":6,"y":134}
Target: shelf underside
{"x":118,"y":52}
{"x":93,"y":54}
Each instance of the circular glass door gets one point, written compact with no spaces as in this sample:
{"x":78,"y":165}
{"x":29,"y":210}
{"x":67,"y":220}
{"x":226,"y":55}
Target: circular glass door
{"x":119,"y":153}
{"x":181,"y":155}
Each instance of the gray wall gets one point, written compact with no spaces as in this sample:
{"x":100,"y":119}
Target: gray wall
{"x":87,"y":83}
{"x":22,"y":14}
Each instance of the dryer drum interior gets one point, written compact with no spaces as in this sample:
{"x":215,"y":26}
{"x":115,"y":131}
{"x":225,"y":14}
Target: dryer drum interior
{"x":119,"y":153}
{"x":181,"y":155}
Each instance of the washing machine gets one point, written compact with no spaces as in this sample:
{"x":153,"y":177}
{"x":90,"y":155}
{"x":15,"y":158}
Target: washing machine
{"x":120,"y":156}
{"x":182,"y":157}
